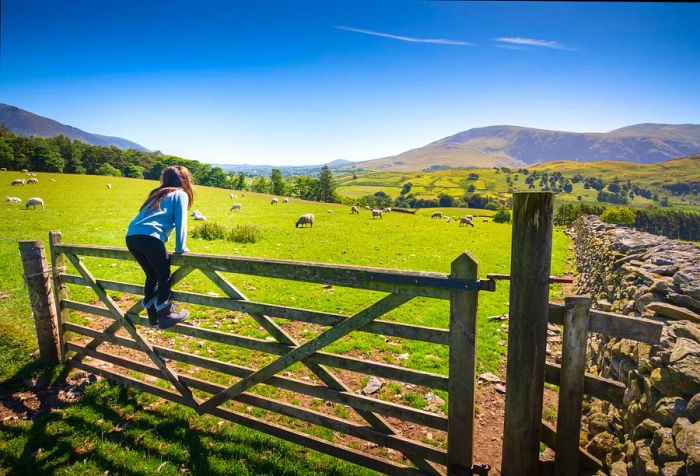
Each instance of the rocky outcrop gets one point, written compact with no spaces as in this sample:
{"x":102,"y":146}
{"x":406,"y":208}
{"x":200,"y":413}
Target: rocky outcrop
{"x":640,"y":274}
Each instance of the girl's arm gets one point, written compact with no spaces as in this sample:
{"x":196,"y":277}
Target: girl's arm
{"x":181,"y":202}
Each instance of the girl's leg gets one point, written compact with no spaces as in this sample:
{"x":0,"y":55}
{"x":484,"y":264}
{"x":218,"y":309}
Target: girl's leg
{"x":135,"y":244}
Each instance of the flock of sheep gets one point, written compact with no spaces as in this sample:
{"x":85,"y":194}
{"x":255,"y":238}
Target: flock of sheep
{"x":34,"y":201}
{"x":307,"y":219}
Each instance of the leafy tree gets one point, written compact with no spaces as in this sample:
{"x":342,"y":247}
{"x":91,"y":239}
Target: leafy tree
{"x":46,"y":158}
{"x":502,"y":215}
{"x":107,"y":169}
{"x":277,"y":181}
{"x":133,"y":171}
{"x":240,"y":182}
{"x":471,"y":188}
{"x":473,"y":176}
{"x":261,"y":185}
{"x":326,"y":188}
{"x":568,"y":187}
{"x":406,"y":188}
{"x":619,"y":216}
{"x":445,"y":200}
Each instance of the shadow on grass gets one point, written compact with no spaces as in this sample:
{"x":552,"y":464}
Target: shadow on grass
{"x":114,"y":430}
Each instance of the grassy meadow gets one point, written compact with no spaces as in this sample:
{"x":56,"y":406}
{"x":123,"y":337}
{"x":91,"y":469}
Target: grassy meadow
{"x":72,"y":440}
{"x":456,"y":181}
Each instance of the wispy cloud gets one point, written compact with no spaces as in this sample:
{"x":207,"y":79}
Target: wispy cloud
{"x":410,"y":39}
{"x":555,"y":45}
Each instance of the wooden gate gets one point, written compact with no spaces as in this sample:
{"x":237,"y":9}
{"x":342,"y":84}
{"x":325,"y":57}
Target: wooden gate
{"x":460,"y":288}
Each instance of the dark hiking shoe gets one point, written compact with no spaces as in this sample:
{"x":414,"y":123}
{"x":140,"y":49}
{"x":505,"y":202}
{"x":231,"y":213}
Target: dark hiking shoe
{"x":152,"y":316}
{"x":168,"y":316}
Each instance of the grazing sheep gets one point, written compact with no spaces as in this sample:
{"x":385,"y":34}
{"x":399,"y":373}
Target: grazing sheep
{"x":377,"y":213}
{"x":196,"y":212}
{"x":33,"y":180}
{"x":109,"y":186}
{"x":19,"y":181}
{"x":13,"y":199}
{"x":4,"y":169}
{"x":24,"y":171}
{"x":31,"y":174}
{"x":33,"y":202}
{"x":354,"y":210}
{"x":330,"y":211}
{"x":307,"y":219}
{"x":233,"y":196}
{"x":485,"y":220}
{"x":285,"y":200}
{"x":367,"y":207}
{"x":237,"y":207}
{"x":436,"y":215}
{"x":448,"y":220}
{"x":274,"y":201}
{"x":465,"y":221}
{"x":471,"y":217}
{"x":52,"y":180}
{"x":386,"y":210}
{"x":200,"y":218}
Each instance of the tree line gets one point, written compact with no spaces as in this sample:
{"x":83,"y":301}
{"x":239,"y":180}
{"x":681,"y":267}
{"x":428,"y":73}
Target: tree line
{"x":64,"y":155}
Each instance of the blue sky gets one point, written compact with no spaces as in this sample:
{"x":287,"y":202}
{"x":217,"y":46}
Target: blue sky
{"x":309,"y":82}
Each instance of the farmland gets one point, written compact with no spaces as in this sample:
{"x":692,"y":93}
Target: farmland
{"x":87,"y":212}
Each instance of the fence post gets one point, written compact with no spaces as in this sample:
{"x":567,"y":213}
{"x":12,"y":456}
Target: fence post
{"x":60,"y":294}
{"x":463,"y":309}
{"x":573,"y":370}
{"x":36,"y":276}
{"x":530,"y":262}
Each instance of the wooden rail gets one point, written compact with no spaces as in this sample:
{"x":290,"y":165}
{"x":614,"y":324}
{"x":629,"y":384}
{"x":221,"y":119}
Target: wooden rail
{"x":460,"y":287}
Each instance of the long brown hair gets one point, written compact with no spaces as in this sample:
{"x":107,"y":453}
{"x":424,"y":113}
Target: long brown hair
{"x":172,"y":178}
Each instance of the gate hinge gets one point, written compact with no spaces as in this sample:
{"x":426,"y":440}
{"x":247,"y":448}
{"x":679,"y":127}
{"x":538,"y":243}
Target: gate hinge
{"x":487,"y":285}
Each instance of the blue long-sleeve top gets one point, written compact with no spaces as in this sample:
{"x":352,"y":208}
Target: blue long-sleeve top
{"x":160,"y":223}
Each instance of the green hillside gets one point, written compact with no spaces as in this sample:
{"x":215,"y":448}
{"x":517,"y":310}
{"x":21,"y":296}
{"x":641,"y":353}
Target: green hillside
{"x":501,"y":183}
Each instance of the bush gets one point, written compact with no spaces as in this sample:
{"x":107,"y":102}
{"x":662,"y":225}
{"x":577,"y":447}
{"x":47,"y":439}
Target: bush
{"x":502,"y":215}
{"x":619,"y":216}
{"x":107,"y":169}
{"x":237,"y":234}
{"x":245,"y":234}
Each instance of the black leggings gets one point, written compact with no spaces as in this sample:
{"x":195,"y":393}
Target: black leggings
{"x":151,"y":255}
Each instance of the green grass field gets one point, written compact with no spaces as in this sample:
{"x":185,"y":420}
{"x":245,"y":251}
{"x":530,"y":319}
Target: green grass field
{"x":86,"y":212}
{"x":455,"y":181}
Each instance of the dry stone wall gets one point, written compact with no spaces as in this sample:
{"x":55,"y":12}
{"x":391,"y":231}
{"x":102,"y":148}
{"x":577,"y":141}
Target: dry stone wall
{"x":657,"y":432}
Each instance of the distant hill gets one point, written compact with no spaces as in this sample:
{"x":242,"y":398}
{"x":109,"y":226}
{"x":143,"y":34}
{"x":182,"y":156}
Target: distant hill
{"x":249,"y":169}
{"x":517,"y":146}
{"x":27,"y":123}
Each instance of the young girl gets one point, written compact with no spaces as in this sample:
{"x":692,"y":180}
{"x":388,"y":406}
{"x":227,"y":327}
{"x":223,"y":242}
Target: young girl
{"x":164,"y":209}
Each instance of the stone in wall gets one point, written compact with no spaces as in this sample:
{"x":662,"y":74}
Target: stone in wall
{"x":644,"y":275}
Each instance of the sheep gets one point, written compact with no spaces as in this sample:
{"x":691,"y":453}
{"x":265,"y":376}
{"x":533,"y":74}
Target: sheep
{"x":377,"y":213}
{"x":448,"y":220}
{"x":52,"y":180}
{"x":330,"y":211}
{"x":485,"y":220}
{"x":3,"y":169}
{"x":471,"y":217}
{"x":307,"y":219}
{"x":367,"y":207}
{"x":233,"y":196}
{"x":200,"y":218}
{"x":237,"y":207}
{"x":386,"y":210}
{"x":13,"y":199}
{"x":19,"y":181}
{"x":196,"y":212}
{"x":436,"y":215}
{"x":109,"y":186}
{"x":33,"y":180}
{"x":31,"y":174}
{"x":354,"y":210}
{"x":465,"y":221}
{"x":285,"y":200}
{"x":274,"y":201}
{"x":24,"y":171}
{"x":33,"y":202}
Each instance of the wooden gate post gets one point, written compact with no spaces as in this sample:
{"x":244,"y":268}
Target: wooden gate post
{"x":573,"y":370}
{"x":530,"y":262}
{"x":37,"y":279}
{"x":60,"y":294}
{"x":463,"y":309}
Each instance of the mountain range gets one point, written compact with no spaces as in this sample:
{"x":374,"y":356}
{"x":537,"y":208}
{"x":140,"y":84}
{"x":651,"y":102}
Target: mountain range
{"x":27,"y":123}
{"x":511,"y":146}
{"x":519,"y":146}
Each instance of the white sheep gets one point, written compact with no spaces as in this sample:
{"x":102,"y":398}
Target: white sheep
{"x":386,"y":210}
{"x":109,"y":186}
{"x":237,"y":207}
{"x":330,"y":211}
{"x":447,"y":219}
{"x":13,"y":199}
{"x":19,"y":181}
{"x":465,"y":221}
{"x":233,"y":196}
{"x":485,"y":220}
{"x":471,"y":217}
{"x":274,"y":201}
{"x":377,"y":213}
{"x":285,"y":200}
{"x":33,"y":202}
{"x":307,"y":219}
{"x":3,"y":169}
{"x":354,"y":210}
{"x":52,"y":180}
{"x":436,"y":215}
{"x":24,"y":171}
{"x":196,"y":212}
{"x":200,"y":217}
{"x":33,"y":180}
